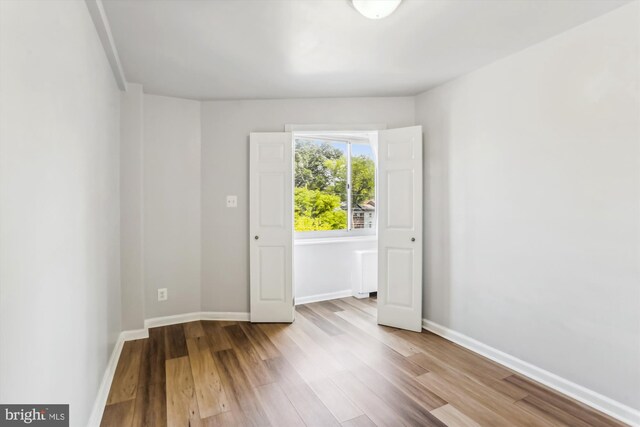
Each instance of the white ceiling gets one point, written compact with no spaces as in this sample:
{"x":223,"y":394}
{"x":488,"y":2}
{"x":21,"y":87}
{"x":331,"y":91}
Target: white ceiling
{"x":235,"y":49}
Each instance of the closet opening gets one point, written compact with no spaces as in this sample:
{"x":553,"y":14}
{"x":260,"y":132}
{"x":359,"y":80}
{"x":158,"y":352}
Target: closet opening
{"x":335,"y":212}
{"x":350,"y":226}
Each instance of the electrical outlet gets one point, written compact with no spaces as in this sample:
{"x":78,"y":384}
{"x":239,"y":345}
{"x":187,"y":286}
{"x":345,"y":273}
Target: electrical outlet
{"x":162,"y":294}
{"x":232,"y":201}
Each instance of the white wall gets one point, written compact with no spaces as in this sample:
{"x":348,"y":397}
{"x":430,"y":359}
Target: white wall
{"x":167,"y":173}
{"x":324,"y":268}
{"x":131,"y":207}
{"x":171,"y":204}
{"x":225,"y":171}
{"x":533,"y":208}
{"x":59,"y":206}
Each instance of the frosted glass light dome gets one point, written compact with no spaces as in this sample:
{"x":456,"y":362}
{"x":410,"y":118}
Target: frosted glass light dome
{"x":376,"y":9}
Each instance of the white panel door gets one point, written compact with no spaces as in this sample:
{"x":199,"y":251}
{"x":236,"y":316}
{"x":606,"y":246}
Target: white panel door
{"x":271,"y":227}
{"x":400,"y":228}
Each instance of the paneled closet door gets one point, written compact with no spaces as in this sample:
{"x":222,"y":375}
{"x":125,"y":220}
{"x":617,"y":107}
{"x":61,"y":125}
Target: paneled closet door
{"x":400,"y":228}
{"x":271,"y":227}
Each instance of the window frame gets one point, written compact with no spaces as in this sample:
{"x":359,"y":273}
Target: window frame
{"x":360,"y":137}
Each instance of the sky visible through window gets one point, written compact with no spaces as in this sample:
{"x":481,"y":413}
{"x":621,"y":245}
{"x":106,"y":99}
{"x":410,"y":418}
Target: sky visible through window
{"x":361,"y":150}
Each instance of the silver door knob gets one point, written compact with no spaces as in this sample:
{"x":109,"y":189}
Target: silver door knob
{"x":256,"y":237}
{"x":413,"y":239}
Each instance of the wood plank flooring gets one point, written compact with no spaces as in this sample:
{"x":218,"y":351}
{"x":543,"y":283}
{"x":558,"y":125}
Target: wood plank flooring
{"x":334,"y":366}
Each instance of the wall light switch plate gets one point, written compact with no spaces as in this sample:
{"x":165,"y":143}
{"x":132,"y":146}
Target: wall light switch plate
{"x":162,"y":294}
{"x":232,"y":201}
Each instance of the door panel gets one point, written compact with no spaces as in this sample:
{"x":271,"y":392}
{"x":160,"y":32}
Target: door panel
{"x":400,"y":228}
{"x":400,"y":274}
{"x":271,"y":227}
{"x":273,"y":278}
{"x":400,"y":193}
{"x":271,"y":205}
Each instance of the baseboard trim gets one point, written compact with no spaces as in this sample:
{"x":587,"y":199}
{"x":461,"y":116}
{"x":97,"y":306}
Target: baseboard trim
{"x":135,"y":334}
{"x":105,"y":385}
{"x":218,"y":315}
{"x":324,"y":297}
{"x":582,"y":394}
{"x":156,"y":322}
{"x":192,"y":317}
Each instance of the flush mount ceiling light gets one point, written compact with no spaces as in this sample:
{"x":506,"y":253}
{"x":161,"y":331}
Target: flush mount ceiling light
{"x":376,"y":9}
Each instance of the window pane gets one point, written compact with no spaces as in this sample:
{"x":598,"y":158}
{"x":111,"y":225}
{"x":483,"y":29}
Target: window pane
{"x":320,"y":199}
{"x":363,"y":191}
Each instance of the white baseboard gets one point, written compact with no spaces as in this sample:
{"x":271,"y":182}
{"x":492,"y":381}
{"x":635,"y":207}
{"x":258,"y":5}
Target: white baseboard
{"x":105,"y":384}
{"x":218,"y":315}
{"x":192,"y":317}
{"x":324,"y":297}
{"x":156,"y":322}
{"x":596,"y":400}
{"x":135,"y":334}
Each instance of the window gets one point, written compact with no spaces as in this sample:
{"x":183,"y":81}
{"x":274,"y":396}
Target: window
{"x":363,"y":187}
{"x":334,"y":187}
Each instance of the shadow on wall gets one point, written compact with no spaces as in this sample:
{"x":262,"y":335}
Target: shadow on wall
{"x":437,"y":261}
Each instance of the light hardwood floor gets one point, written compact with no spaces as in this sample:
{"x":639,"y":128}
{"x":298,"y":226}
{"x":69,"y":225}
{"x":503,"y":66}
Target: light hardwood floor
{"x":333,"y":366}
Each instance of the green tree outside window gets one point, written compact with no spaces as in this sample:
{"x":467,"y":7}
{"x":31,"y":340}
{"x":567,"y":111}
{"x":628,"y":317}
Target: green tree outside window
{"x":320,"y":199}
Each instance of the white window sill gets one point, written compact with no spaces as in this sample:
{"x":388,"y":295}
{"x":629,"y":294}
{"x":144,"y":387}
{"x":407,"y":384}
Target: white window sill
{"x":329,"y":240}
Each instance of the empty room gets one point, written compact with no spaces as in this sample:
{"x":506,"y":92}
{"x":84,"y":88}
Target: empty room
{"x":320,"y":213}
